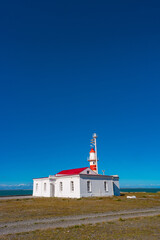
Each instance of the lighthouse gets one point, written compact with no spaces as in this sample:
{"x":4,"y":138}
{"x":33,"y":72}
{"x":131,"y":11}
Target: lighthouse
{"x":93,"y":155}
{"x":78,"y":182}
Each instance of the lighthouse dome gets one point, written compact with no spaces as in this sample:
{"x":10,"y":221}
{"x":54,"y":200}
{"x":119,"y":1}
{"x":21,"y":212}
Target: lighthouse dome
{"x":92,"y":150}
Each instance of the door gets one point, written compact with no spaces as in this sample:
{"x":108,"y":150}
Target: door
{"x":52,"y":189}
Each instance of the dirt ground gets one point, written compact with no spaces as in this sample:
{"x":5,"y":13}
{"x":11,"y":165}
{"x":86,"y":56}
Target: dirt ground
{"x":29,"y":218}
{"x":20,"y":209}
{"x":142,"y":228}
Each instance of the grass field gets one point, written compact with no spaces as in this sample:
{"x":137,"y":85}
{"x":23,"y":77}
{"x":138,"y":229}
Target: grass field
{"x":38,"y":208}
{"x":139,"y":228}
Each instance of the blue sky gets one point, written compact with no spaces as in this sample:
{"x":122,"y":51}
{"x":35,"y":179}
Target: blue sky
{"x":71,"y":68}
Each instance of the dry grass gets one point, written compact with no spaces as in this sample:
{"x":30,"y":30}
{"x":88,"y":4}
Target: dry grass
{"x":139,"y":228}
{"x":36,"y":208}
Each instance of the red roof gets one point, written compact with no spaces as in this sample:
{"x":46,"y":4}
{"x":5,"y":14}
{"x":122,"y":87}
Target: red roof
{"x":72,"y":171}
{"x":92,"y":150}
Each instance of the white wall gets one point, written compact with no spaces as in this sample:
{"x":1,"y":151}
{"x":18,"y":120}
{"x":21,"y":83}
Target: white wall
{"x":40,"y":191}
{"x":80,"y":186}
{"x":97,"y":186}
{"x":66,"y":182}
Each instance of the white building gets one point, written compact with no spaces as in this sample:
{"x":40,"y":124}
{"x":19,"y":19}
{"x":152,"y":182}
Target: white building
{"x":79,"y":182}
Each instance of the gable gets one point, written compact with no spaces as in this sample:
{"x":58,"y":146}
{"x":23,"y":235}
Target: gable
{"x":88,"y":171}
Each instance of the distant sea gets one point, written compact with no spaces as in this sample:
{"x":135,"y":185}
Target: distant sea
{"x":29,"y":192}
{"x":20,"y":192}
{"x":150,"y":190}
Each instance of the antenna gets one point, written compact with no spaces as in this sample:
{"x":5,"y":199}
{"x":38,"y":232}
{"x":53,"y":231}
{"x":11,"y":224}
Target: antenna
{"x":103,"y":172}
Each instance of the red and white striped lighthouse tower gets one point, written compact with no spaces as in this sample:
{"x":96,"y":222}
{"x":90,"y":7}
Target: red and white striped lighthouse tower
{"x":93,"y":155}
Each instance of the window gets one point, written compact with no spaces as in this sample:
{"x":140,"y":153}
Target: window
{"x":88,"y":186}
{"x":36,"y":187}
{"x":105,"y":186}
{"x":45,"y":187}
{"x":61,"y":186}
{"x":87,"y":172}
{"x":72,"y":186}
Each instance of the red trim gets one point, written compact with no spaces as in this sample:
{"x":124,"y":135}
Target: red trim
{"x":92,"y":150}
{"x":93,"y":167}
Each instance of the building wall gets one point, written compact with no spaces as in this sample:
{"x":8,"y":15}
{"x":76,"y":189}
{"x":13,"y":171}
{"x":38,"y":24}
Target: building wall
{"x":80,"y":186}
{"x":97,"y":186}
{"x":116,"y":188}
{"x":66,"y":190}
{"x":41,"y":190}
